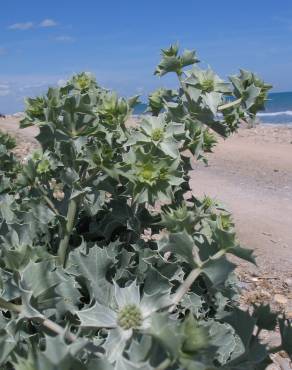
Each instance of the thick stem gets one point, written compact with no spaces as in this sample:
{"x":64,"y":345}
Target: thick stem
{"x":185,"y":286}
{"x":193,"y":275}
{"x":63,"y":247}
{"x":46,"y":322}
{"x":164,"y":364}
{"x":58,"y":329}
{"x":48,"y":200}
{"x":9,"y":306}
{"x":230,"y":105}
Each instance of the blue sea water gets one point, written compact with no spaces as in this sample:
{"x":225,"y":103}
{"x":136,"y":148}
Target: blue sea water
{"x":278,"y":109}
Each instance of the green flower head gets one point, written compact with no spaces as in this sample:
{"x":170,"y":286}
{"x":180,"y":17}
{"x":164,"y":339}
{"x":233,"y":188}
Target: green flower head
{"x":157,"y":134}
{"x":43,"y":167}
{"x":83,"y":81}
{"x":130,"y":317}
{"x":148,"y":173}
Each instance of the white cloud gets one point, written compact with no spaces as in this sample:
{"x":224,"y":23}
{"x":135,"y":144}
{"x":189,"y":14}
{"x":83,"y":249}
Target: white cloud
{"x":64,"y":38}
{"x":5,"y":89}
{"x":48,"y":23}
{"x":4,"y":92}
{"x":21,"y":26}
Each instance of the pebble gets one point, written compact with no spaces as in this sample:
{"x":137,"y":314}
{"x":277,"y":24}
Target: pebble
{"x":279,"y":298}
{"x":288,"y":282}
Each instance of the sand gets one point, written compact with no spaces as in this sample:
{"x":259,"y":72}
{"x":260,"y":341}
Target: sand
{"x":251,"y":173}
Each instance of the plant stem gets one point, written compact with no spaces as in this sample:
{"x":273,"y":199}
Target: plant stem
{"x":185,"y":286}
{"x":9,"y":306}
{"x":51,"y":205}
{"x":229,"y":105}
{"x":164,"y":364}
{"x":46,"y":322}
{"x":63,"y":247}
{"x":58,"y":329}
{"x":48,"y":200}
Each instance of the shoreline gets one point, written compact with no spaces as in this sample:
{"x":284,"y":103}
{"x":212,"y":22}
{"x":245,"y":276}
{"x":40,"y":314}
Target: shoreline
{"x":260,"y":123}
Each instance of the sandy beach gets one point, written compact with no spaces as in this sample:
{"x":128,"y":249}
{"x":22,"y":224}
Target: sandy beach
{"x":251,"y":174}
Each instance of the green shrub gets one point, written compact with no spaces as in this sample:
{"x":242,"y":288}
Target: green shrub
{"x":8,"y":163}
{"x":107,"y":260}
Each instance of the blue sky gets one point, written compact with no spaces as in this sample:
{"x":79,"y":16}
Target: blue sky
{"x":43,"y":42}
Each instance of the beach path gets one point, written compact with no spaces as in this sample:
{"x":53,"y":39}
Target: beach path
{"x":251,"y":173}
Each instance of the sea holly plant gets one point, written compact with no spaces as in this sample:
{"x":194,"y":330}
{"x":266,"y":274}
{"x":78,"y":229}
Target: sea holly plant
{"x":108,"y":259}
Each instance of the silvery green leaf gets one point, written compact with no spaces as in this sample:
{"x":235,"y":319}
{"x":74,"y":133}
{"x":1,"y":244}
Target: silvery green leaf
{"x":223,"y":337}
{"x":167,"y":332}
{"x":218,"y":270}
{"x":127,"y":295}
{"x":67,"y":296}
{"x":7,"y":345}
{"x":243,"y":253}
{"x":172,"y":62}
{"x":69,"y":176}
{"x":58,"y":351}
{"x":116,"y":342}
{"x":168,"y":64}
{"x":6,"y":202}
{"x":242,"y":322}
{"x":175,"y":128}
{"x":193,"y":302}
{"x":188,"y":57}
{"x":27,"y":309}
{"x":40,"y":277}
{"x":8,"y":286}
{"x":169,"y":147}
{"x":97,"y":316}
{"x":18,"y":256}
{"x":155,"y":282}
{"x":251,"y":93}
{"x":193,"y":92}
{"x":153,"y":303}
{"x":182,"y":245}
{"x":93,"y":266}
{"x":212,"y":100}
{"x":139,"y":349}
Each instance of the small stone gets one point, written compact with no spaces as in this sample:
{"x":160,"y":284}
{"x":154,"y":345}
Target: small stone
{"x":288,"y":282}
{"x":288,"y":315}
{"x":279,"y":298}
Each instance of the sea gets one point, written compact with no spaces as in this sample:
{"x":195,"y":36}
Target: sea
{"x":278,"y":109}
